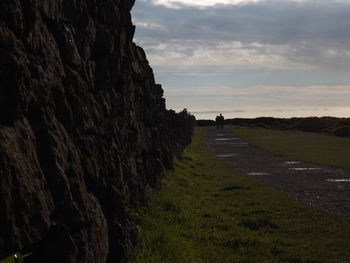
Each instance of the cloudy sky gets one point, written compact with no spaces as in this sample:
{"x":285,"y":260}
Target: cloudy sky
{"x":249,"y":58}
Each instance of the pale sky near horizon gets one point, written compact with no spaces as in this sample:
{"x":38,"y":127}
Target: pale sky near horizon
{"x":249,"y":58}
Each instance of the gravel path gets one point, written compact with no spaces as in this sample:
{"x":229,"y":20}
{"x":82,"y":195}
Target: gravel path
{"x":320,"y":186}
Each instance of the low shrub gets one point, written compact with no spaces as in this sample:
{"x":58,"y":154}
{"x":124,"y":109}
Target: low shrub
{"x":311,"y":124}
{"x":343,"y":131}
{"x":202,"y":123}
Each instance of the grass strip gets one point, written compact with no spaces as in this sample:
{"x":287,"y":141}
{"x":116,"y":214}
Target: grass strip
{"x":204,"y":212}
{"x":297,"y":145}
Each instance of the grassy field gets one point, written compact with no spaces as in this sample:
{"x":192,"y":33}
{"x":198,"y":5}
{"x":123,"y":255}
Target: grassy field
{"x":304,"y":146}
{"x":204,"y":212}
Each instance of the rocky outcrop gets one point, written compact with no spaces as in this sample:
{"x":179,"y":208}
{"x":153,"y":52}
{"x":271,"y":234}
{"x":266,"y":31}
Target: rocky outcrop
{"x":83,"y":129}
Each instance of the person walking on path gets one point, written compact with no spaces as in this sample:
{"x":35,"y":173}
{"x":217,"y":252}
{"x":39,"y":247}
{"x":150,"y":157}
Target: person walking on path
{"x":217,"y":122}
{"x":220,"y":121}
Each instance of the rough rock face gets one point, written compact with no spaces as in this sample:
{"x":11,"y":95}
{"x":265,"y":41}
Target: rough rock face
{"x":83,"y":129}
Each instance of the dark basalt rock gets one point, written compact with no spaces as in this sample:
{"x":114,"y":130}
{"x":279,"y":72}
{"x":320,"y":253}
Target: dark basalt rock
{"x":83,"y":129}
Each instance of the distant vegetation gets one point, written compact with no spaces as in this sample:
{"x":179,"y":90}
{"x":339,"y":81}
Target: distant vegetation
{"x":328,"y":125}
{"x":182,"y":124}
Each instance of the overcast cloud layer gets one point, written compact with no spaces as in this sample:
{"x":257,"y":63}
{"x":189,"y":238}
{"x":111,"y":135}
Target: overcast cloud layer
{"x":249,"y":58}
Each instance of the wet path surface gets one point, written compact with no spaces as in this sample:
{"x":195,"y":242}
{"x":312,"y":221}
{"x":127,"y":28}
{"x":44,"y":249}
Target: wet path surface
{"x":320,"y":186}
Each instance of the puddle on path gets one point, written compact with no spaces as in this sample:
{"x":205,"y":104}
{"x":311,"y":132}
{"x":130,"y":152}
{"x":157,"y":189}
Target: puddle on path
{"x":258,"y":173}
{"x":226,"y":139}
{"x":339,"y":180}
{"x":224,"y":134}
{"x":234,"y":143}
{"x":305,"y":168}
{"x":227,"y":155}
{"x":292,"y":162}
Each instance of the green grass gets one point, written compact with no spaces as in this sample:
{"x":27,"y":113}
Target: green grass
{"x":204,"y":212}
{"x":304,"y":146}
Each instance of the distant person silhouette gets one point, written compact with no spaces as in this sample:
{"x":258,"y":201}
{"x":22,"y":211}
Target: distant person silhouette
{"x":217,"y":122}
{"x":220,"y":121}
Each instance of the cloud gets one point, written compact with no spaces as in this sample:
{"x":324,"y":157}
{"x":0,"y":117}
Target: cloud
{"x":149,"y":26}
{"x":235,"y":55}
{"x":203,"y":3}
{"x":178,"y":4}
{"x":269,"y":56}
{"x":289,"y":92}
{"x":258,"y":34}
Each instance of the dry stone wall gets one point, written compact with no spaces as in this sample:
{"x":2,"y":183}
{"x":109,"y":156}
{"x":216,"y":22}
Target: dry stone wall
{"x":83,"y":129}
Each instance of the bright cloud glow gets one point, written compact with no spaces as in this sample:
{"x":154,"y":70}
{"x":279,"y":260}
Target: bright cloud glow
{"x":278,"y":101}
{"x":275,"y":112}
{"x":331,"y":93}
{"x":190,"y":54}
{"x":150,"y":26}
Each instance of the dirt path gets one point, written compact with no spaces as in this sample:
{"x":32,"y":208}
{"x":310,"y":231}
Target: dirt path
{"x":320,"y":186}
